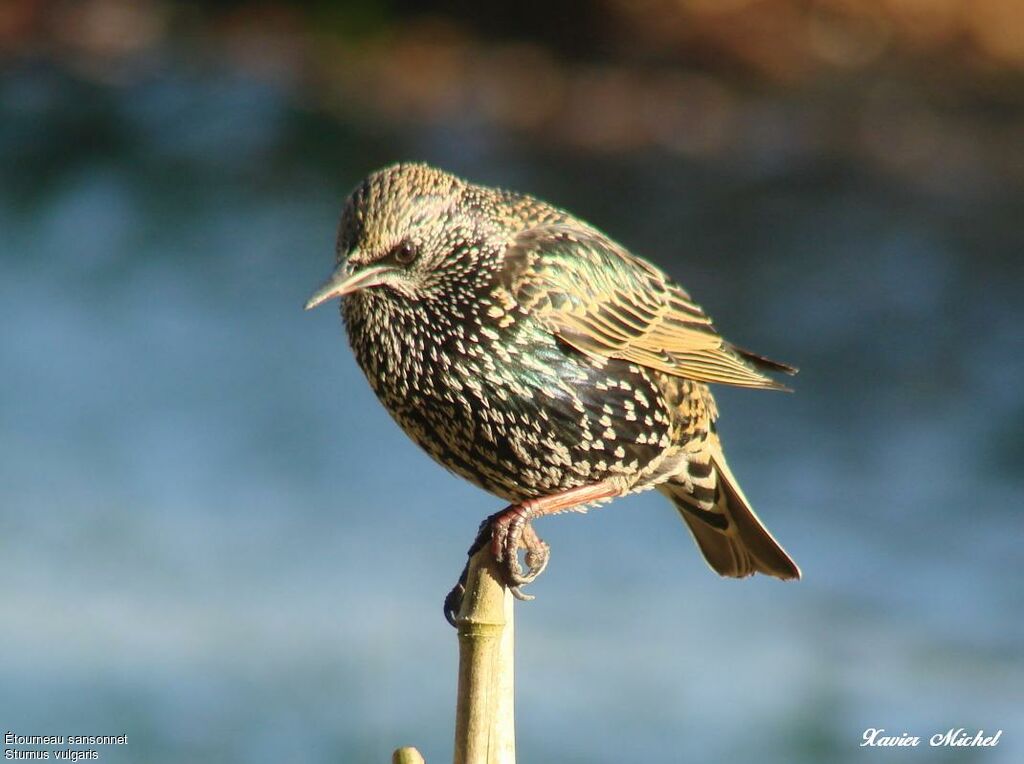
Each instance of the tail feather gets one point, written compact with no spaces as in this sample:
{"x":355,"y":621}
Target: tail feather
{"x":732,"y":538}
{"x":765,"y":364}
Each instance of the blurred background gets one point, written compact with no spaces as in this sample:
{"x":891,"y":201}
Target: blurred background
{"x":214,"y":540}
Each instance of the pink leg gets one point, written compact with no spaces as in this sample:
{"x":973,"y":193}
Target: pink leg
{"x":510,"y":530}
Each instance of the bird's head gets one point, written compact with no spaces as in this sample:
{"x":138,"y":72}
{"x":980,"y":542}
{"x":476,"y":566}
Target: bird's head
{"x":406,"y":228}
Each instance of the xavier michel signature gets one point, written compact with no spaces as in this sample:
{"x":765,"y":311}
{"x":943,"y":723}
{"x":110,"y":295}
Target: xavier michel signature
{"x":953,"y":737}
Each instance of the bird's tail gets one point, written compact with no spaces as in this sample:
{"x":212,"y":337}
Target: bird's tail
{"x":732,"y":538}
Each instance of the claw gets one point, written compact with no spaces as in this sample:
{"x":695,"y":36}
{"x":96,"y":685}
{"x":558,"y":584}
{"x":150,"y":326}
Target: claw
{"x":537,"y":553}
{"x":518,"y":594}
{"x":453,"y":602}
{"x":511,"y":532}
{"x":507,"y":532}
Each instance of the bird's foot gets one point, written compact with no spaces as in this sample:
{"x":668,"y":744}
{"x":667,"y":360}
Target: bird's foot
{"x":507,"y":532}
{"x":511,"y":531}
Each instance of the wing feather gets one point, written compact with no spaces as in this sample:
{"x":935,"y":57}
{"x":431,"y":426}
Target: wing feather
{"x":605,"y":302}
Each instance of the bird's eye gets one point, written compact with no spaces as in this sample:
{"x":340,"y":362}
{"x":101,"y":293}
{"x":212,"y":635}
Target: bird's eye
{"x":405,"y":253}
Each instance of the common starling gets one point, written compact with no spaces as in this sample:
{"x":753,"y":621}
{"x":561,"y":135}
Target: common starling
{"x":530,"y":354}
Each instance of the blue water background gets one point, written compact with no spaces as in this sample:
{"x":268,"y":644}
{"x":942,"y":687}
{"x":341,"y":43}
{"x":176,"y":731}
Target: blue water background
{"x":214,"y":540}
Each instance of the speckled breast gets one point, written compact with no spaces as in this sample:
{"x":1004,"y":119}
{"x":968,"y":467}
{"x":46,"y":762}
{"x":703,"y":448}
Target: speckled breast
{"x":510,"y":408}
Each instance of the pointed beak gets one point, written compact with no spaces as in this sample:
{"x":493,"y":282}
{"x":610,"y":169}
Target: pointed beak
{"x":343,"y":282}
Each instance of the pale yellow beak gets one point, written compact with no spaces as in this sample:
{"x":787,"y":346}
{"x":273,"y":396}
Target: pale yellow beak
{"x":343,"y":282}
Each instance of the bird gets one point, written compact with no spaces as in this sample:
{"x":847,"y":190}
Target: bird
{"x":534,"y":356}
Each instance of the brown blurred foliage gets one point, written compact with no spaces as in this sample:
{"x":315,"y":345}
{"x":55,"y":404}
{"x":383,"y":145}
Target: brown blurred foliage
{"x":925,"y":88}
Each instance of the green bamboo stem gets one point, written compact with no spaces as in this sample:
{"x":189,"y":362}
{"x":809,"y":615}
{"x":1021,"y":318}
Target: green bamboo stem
{"x":485,"y":710}
{"x":407,"y":755}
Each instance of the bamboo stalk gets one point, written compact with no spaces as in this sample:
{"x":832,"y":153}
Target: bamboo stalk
{"x":485,"y":710}
{"x":407,"y":755}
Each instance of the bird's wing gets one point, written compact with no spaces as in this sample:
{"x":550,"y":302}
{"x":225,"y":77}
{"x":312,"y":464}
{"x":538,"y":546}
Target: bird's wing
{"x":605,"y":302}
